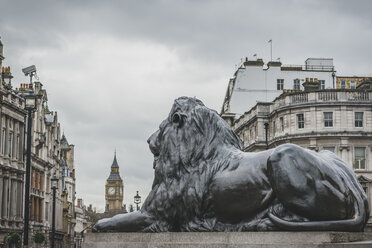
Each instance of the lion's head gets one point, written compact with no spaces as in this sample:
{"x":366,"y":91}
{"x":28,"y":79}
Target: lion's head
{"x":192,"y":132}
{"x":189,"y":143}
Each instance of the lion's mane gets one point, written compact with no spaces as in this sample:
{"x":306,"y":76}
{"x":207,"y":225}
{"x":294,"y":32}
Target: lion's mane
{"x":189,"y":156}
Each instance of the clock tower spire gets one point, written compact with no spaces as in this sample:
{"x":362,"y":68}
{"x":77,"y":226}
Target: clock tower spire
{"x":114,"y":189}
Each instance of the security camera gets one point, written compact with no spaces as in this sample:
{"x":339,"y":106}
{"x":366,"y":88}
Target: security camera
{"x":29,"y":70}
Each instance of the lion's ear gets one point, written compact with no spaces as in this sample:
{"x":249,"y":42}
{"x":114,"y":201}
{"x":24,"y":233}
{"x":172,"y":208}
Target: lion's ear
{"x":178,"y":119}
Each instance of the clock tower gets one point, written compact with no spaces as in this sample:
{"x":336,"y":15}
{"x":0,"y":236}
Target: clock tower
{"x":114,"y":189}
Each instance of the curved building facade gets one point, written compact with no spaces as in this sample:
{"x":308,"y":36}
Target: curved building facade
{"x":339,"y":120}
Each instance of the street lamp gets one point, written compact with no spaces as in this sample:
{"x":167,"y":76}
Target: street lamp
{"x":137,"y":200}
{"x":6,"y":75}
{"x":54,"y":188}
{"x":333,"y":78}
{"x":30,"y":106}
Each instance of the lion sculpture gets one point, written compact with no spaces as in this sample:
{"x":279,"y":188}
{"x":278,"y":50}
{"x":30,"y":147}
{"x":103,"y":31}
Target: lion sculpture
{"x":205,"y":182}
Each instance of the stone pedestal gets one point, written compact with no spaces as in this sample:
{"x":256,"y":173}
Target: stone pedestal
{"x":228,"y":239}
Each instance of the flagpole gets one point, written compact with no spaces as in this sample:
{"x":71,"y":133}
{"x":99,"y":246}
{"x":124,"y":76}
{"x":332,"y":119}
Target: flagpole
{"x":271,"y":50}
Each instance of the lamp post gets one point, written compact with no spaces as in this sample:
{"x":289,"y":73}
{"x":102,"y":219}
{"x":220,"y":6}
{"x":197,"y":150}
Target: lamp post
{"x":30,"y":106}
{"x":54,"y":188}
{"x":266,"y":134}
{"x":6,"y":75}
{"x":333,"y":79}
{"x":137,"y":200}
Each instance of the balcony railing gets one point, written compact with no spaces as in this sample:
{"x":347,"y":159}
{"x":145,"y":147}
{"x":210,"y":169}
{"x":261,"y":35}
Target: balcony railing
{"x":298,"y":98}
{"x":328,"y":96}
{"x":322,"y":96}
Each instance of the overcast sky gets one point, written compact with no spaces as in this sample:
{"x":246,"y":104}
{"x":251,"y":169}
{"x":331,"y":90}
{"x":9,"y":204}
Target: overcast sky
{"x":113,"y":68}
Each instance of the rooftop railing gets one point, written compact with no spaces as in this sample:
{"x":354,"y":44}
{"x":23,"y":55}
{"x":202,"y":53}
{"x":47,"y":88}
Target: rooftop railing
{"x":309,"y":67}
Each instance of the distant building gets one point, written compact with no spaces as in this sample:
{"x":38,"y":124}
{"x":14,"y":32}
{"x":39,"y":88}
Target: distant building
{"x":344,"y":82}
{"x":114,"y":190}
{"x":68,"y":186}
{"x":256,"y":82}
{"x":82,"y":222}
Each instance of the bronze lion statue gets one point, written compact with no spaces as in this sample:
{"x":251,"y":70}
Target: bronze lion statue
{"x":205,"y":182}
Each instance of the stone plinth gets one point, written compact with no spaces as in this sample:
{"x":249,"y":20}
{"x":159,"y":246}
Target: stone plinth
{"x":228,"y":239}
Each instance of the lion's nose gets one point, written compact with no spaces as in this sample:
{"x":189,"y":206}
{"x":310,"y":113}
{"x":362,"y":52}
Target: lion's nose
{"x":152,"y":141}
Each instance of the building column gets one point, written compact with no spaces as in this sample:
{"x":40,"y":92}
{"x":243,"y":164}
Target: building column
{"x":41,"y":210}
{"x":11,"y":198}
{"x":344,"y":155}
{"x":1,"y":192}
{"x":31,"y":208}
{"x":19,"y":199}
{"x":15,"y":198}
{"x":5,"y":198}
{"x":36,"y":208}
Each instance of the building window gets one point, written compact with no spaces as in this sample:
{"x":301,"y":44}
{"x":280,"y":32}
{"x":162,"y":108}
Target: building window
{"x":296,"y":84}
{"x":279,"y":84}
{"x":343,"y":84}
{"x":359,"y":158}
{"x":365,"y":188}
{"x":358,"y":119}
{"x":328,"y":119}
{"x":352,"y":85}
{"x":321,"y":84}
{"x":300,"y":121}
{"x":329,"y":148}
{"x":281,"y":124}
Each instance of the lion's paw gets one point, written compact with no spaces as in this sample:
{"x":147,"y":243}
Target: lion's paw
{"x":102,"y":226}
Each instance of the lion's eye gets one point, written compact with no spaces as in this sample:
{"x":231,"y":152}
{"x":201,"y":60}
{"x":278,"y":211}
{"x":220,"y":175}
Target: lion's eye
{"x":177,"y":119}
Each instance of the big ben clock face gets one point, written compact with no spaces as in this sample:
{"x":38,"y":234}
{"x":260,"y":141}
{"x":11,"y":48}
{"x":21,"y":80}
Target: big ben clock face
{"x":111,"y":190}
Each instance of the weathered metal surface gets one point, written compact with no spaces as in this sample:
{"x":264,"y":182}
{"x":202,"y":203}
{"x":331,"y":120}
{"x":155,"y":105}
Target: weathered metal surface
{"x":205,"y":182}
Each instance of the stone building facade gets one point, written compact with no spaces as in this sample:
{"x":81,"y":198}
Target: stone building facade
{"x":45,"y":163}
{"x":68,"y":186}
{"x":12,"y":170}
{"x":82,"y":222}
{"x":339,"y":120}
{"x":47,"y":149}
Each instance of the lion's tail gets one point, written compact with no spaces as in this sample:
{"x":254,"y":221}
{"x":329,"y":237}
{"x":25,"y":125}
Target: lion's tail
{"x":356,"y":224}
